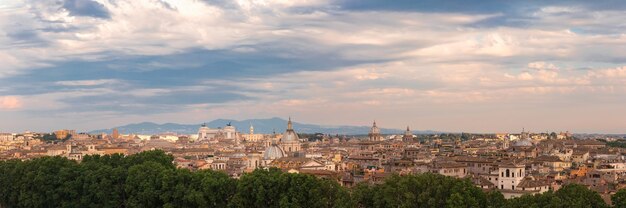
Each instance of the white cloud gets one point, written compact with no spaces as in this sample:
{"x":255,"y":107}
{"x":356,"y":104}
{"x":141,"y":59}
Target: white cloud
{"x":10,"y":102}
{"x":612,"y":73}
{"x":95,"y":82}
{"x":542,"y":66}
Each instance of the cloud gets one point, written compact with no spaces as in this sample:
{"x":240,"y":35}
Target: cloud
{"x":487,"y":6}
{"x":86,"y":8}
{"x":86,"y":82}
{"x":10,"y":102}
{"x":25,"y":38}
{"x":167,"y":60}
{"x":542,"y":66}
{"x":612,"y":73}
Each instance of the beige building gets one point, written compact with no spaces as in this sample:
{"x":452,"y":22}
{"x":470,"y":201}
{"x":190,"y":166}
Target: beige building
{"x":7,"y":137}
{"x":252,"y":137}
{"x":580,"y":156}
{"x":62,"y":134}
{"x":448,"y":168}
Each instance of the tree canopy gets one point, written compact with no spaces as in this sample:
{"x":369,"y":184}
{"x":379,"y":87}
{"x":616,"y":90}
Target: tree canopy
{"x":424,"y":190}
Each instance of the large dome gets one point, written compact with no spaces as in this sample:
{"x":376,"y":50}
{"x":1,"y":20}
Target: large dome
{"x":290,"y":136}
{"x":273,"y":152}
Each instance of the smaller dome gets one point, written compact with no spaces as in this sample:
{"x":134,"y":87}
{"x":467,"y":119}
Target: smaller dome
{"x":408,"y":132}
{"x":273,"y":152}
{"x":290,"y":136}
{"x":523,"y":143}
{"x":374,"y":129}
{"x":238,"y":155}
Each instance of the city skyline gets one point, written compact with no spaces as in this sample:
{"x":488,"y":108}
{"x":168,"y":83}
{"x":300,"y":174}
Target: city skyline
{"x":455,"y":67}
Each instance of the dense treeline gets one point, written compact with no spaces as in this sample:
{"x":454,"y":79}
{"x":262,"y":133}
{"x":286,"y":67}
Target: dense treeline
{"x":149,"y":179}
{"x":621,"y":143}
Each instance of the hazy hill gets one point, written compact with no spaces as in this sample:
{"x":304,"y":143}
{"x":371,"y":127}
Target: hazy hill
{"x":260,"y":126}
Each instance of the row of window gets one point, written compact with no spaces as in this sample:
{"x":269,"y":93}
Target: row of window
{"x":511,"y":174}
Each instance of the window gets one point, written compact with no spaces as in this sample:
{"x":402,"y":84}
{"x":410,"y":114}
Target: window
{"x":508,"y":173}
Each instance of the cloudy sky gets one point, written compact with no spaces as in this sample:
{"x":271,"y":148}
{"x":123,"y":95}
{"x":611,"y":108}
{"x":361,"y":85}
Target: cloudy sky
{"x":473,"y":66}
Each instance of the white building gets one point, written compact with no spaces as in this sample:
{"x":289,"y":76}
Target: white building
{"x":510,"y":175}
{"x":230,"y":132}
{"x":7,"y":137}
{"x":205,"y":133}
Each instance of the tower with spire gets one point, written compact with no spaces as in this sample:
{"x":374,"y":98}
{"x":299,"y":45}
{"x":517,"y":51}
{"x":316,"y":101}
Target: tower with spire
{"x":115,"y":134}
{"x":289,"y":124}
{"x":374,"y":134}
{"x":408,"y":135}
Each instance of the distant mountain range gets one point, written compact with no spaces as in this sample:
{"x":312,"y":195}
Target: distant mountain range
{"x":264,"y":126}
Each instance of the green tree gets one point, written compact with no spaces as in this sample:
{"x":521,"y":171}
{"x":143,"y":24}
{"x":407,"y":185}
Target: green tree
{"x":575,"y":195}
{"x":183,"y":188}
{"x":456,"y":201}
{"x":98,"y":186}
{"x":619,"y":198}
{"x":362,"y":195}
{"x":423,"y":190}
{"x":495,"y":199}
{"x":43,"y":182}
{"x":274,"y":188}
{"x":144,"y":184}
{"x":157,"y":156}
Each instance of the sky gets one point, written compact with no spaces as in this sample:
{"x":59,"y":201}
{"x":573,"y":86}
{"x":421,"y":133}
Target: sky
{"x":456,"y":65}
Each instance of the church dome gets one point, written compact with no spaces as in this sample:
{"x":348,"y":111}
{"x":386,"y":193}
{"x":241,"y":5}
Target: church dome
{"x":523,"y":143}
{"x":374,"y":129}
{"x":408,"y":132}
{"x":273,"y":152}
{"x":290,"y":136}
